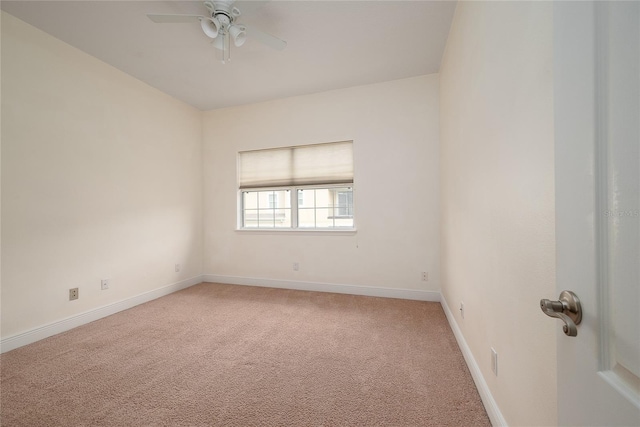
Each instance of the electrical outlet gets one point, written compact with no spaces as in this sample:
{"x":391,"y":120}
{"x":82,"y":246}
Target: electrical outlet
{"x":425,"y":276}
{"x":177,"y":268}
{"x":462,"y":309}
{"x":104,"y":284}
{"x":494,"y":361}
{"x":296,"y":266}
{"x":73,"y":294}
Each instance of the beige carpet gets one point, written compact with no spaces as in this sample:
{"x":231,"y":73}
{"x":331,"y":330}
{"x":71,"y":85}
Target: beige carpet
{"x":223,"y":355}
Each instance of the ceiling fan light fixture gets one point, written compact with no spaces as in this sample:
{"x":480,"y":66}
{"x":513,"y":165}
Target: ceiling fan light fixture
{"x":210,"y":26}
{"x":219,"y":42}
{"x":239,"y":34}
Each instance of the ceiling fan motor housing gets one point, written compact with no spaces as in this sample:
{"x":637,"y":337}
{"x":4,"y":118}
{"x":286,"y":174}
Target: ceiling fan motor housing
{"x":223,"y":11}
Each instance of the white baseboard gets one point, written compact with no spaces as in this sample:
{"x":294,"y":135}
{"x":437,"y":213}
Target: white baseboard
{"x":483,"y":389}
{"x":41,"y":332}
{"x":412,"y":294}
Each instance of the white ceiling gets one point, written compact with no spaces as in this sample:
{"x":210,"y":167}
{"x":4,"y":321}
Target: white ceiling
{"x":331,"y":44}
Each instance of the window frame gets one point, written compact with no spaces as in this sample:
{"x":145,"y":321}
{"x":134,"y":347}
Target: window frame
{"x":294,"y":203}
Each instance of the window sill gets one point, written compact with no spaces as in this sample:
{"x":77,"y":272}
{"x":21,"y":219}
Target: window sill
{"x":323,"y":231}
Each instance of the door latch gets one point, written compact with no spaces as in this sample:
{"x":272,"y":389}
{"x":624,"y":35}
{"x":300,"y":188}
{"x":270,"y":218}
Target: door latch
{"x":567,"y":309}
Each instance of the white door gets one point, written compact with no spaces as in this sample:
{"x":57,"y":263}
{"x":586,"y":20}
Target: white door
{"x":597,"y":121}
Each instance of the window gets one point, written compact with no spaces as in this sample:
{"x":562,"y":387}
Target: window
{"x":321,"y":208}
{"x":266,"y":209}
{"x":344,"y":202}
{"x":273,"y":200}
{"x":303,"y":187}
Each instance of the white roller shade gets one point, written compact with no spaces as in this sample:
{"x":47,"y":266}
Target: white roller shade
{"x":318,"y":164}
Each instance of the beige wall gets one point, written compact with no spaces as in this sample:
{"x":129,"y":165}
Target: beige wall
{"x":498,"y":242}
{"x":394,"y":127}
{"x":101,"y":178}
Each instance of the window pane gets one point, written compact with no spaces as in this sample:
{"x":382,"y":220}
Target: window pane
{"x":250,"y":218}
{"x":323,"y":198}
{"x":250,"y":199}
{"x":344,"y":202}
{"x":306,"y":211}
{"x":307,"y":218}
{"x":263,"y":199}
{"x":308,"y":196}
{"x":265,"y":218}
{"x":324,"y":217}
{"x":283,"y":218}
{"x":284,"y":199}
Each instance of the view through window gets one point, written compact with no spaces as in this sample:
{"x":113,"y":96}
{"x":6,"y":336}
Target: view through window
{"x":302,"y":187}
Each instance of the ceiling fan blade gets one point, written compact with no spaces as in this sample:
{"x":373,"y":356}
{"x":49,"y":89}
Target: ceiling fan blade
{"x":174,"y":19}
{"x":265,"y":38}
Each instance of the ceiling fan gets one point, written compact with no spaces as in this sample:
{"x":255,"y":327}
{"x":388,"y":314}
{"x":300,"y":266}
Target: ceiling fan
{"x":221,"y":26}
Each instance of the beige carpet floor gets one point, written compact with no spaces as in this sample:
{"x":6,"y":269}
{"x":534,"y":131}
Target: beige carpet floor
{"x":223,"y":355}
